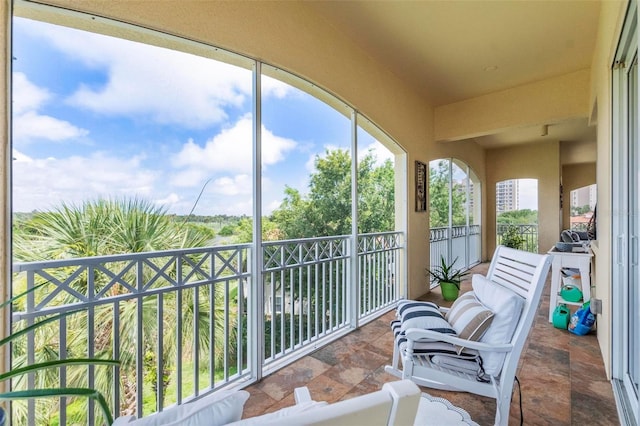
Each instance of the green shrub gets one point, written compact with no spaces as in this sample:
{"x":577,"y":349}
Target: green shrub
{"x":512,"y":238}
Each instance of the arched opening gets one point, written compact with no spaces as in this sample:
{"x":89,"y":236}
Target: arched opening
{"x":517,"y":214}
{"x":454,"y":213}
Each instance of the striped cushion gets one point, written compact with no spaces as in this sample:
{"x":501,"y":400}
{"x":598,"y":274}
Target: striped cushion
{"x":424,"y":315}
{"x":406,"y":305}
{"x":469,"y":318}
{"x":430,"y":347}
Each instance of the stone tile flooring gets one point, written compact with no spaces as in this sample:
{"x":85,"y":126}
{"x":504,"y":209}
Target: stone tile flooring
{"x":562,"y":375}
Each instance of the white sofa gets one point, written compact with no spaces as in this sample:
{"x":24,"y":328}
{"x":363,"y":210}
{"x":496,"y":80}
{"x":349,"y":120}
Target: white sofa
{"x":396,"y":404}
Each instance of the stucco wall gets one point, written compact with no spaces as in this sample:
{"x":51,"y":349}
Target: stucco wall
{"x":539,"y":161}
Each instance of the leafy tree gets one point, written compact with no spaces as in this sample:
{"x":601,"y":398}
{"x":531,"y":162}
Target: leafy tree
{"x":376,"y":191}
{"x":327,"y":208}
{"x":439,"y":197}
{"x":244,"y":231}
{"x":580,"y":210}
{"x":104,"y":227}
{"x":518,"y":217}
{"x":226,"y":231}
{"x":291,"y":217}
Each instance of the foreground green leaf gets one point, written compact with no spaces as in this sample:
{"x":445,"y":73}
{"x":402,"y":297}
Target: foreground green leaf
{"x":61,"y":392}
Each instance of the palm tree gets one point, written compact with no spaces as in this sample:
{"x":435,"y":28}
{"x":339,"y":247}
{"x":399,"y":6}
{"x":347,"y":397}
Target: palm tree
{"x":107,"y":227}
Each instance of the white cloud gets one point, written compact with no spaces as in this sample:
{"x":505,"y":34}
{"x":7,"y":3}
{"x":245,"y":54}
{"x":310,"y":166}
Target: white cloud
{"x":32,"y":125}
{"x":188,"y":178}
{"x":378,"y":150}
{"x":230,"y":150}
{"x":239,"y":184}
{"x":170,"y":199}
{"x":275,"y":88}
{"x":275,"y":204}
{"x":26,"y":95}
{"x":310,"y":165}
{"x":44,"y":183}
{"x":240,"y":207}
{"x":28,"y":123}
{"x":140,"y":81}
{"x":18,"y":156}
{"x":168,"y":86}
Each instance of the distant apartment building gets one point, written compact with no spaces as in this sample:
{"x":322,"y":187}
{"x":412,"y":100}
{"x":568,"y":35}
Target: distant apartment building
{"x":585,"y":196}
{"x":507,"y":196}
{"x":581,"y":197}
{"x":460,"y":186}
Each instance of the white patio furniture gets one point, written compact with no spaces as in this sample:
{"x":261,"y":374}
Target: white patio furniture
{"x":474,"y":346}
{"x":434,"y":411}
{"x":396,"y":404}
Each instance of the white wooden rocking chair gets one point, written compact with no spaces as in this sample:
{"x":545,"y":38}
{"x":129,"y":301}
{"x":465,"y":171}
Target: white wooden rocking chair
{"x":511,"y":291}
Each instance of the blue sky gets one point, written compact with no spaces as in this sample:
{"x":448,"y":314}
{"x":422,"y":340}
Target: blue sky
{"x":95,"y":116}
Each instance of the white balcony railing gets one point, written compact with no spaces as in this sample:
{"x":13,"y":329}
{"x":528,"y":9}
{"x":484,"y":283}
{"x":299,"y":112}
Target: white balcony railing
{"x":179,"y":320}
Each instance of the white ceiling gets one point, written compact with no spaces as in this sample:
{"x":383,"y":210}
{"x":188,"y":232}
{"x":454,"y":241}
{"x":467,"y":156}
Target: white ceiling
{"x":455,"y":50}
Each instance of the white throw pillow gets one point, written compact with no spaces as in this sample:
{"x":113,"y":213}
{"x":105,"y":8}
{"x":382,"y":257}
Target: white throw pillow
{"x":507,"y":308}
{"x":217,"y":409}
{"x":277,"y":417}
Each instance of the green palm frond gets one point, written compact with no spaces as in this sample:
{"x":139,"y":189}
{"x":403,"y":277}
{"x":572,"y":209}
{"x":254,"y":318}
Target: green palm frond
{"x":50,"y":364}
{"x":61,"y":392}
{"x":21,"y":295}
{"x":56,"y":363}
{"x":32,"y":327}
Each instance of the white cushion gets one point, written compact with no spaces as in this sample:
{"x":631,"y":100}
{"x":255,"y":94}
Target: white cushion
{"x":507,"y":308}
{"x":277,"y":417}
{"x":217,"y":409}
{"x":469,"y":318}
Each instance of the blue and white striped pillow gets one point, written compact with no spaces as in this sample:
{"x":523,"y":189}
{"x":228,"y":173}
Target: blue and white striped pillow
{"x":424,"y":315}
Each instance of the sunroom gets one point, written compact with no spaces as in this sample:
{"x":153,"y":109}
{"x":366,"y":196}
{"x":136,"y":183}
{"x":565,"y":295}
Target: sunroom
{"x":486,"y":92}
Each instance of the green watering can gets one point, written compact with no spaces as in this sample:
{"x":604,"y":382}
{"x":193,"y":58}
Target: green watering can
{"x":561,"y":316}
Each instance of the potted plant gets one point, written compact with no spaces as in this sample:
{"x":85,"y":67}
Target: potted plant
{"x":447,"y":278}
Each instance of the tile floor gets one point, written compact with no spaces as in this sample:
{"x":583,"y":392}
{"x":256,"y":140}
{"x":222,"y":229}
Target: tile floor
{"x":562,"y":375}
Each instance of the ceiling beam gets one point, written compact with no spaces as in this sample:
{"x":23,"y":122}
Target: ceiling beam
{"x":543,"y":102}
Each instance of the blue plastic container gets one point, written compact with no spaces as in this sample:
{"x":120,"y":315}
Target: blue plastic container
{"x":582,"y":321}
